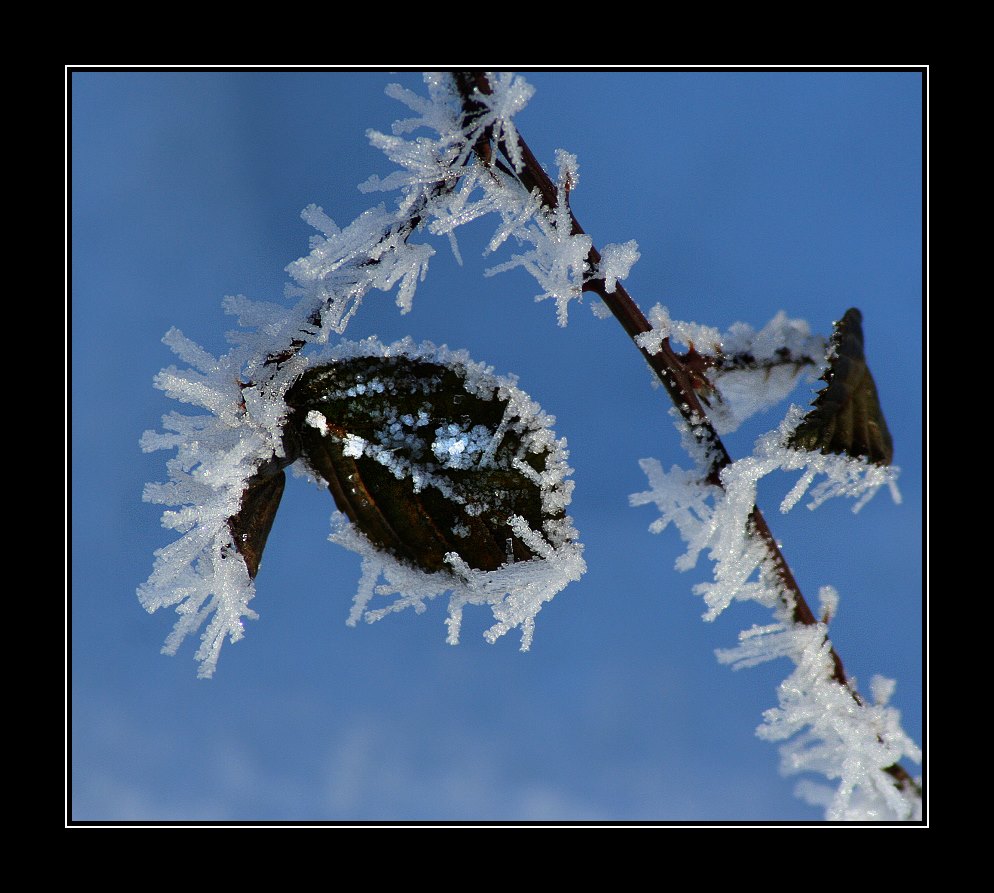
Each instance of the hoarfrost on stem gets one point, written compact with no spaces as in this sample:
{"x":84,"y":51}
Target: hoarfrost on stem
{"x":827,"y":727}
{"x":617,"y":262}
{"x":441,"y":186}
{"x":749,"y":371}
{"x":826,"y":730}
{"x":558,"y":259}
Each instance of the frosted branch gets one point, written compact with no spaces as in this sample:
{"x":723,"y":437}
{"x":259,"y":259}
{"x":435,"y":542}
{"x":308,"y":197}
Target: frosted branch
{"x":468,"y":160}
{"x":827,"y":727}
{"x":202,"y":573}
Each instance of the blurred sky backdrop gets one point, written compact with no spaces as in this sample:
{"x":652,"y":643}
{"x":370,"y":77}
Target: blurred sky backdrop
{"x":747,"y":193}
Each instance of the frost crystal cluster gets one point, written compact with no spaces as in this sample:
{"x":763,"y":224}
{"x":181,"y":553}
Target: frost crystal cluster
{"x":749,"y":371}
{"x":471,"y":502}
{"x":453,"y":475}
{"x":827,"y":726}
{"x":223,"y":453}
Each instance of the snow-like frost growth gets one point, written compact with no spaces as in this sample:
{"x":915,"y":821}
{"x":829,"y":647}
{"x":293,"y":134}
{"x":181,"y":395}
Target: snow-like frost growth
{"x":441,"y":186}
{"x":706,"y":338}
{"x":826,"y":726}
{"x":827,"y":729}
{"x":446,"y":188}
{"x":509,"y":95}
{"x":617,"y":262}
{"x":558,"y":259}
{"x":515,"y":592}
{"x":717,"y":518}
{"x":828,"y":603}
{"x":748,"y":371}
{"x":203,"y":573}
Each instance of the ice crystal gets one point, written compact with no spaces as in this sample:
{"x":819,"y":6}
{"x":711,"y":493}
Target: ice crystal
{"x":441,"y":186}
{"x":826,"y":727}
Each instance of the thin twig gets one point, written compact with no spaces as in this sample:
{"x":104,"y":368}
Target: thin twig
{"x":667,"y":365}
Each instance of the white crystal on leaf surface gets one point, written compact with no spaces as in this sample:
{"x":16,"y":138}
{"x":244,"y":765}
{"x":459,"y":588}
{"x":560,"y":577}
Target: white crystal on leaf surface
{"x":354,"y":445}
{"x":515,"y":592}
{"x":444,"y":187}
{"x":242,"y":391}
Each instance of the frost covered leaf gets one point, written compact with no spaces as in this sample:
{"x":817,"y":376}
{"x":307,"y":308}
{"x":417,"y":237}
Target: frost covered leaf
{"x":452,"y":477}
{"x":423,"y":460}
{"x":846,"y":416}
{"x":226,"y":479}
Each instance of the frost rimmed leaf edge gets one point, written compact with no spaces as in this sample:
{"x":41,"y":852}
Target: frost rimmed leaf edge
{"x":442,"y":187}
{"x":515,"y":592}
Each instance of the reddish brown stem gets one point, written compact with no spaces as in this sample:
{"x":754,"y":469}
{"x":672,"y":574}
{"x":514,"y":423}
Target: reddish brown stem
{"x":668,"y":367}
{"x":665,"y":363}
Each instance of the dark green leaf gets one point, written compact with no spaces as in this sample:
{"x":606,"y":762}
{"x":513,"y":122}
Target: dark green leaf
{"x":376,"y":430}
{"x":846,"y":416}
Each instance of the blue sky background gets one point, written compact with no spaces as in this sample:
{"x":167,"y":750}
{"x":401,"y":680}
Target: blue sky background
{"x":747,"y":193}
